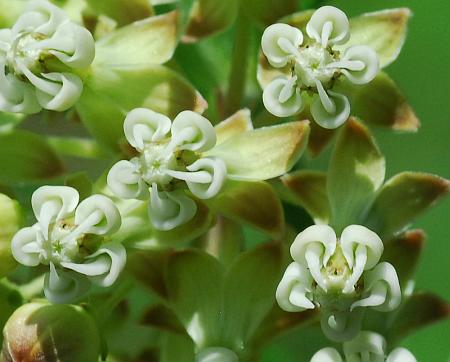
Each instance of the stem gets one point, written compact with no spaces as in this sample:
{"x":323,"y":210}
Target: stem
{"x":240,"y":62}
{"x":77,"y":147}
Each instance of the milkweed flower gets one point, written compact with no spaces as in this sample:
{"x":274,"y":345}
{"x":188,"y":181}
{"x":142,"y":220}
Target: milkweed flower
{"x":342,"y":276}
{"x":367,"y":346}
{"x":40,"y":60}
{"x":315,"y":66}
{"x":72,"y":239}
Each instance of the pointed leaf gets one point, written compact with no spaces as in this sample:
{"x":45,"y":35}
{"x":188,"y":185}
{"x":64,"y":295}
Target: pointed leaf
{"x":124,"y":12}
{"x":418,"y":311}
{"x":145,"y":42}
{"x":382,"y":103}
{"x":403,"y":198}
{"x":194,"y":284}
{"x":239,"y":122}
{"x":208,"y":17}
{"x":249,"y":291}
{"x":163,"y":318}
{"x":10,"y":221}
{"x":356,"y":172}
{"x":384,"y":31}
{"x":252,"y":203}
{"x":27,"y":157}
{"x":263,"y":153}
{"x":308,"y":189}
{"x":267,"y":12}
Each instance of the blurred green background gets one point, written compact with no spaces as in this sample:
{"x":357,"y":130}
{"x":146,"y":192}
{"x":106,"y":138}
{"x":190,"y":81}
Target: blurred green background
{"x":423,"y":72}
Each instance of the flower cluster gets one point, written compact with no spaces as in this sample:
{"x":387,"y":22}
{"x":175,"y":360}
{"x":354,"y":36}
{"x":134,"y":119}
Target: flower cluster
{"x":315,"y":65}
{"x":72,"y":239}
{"x":169,"y":158}
{"x":39,"y":60}
{"x":367,"y":347}
{"x":341,"y":276}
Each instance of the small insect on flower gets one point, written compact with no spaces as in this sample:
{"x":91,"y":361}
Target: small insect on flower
{"x":341,"y":276}
{"x":73,"y":240}
{"x":315,"y":66}
{"x":39,"y":59}
{"x":169,"y":159}
{"x":367,"y":346}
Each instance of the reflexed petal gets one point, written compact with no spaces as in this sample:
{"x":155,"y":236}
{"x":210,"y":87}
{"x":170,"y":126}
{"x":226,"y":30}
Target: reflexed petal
{"x":216,"y":354}
{"x":280,"y":43}
{"x":401,"y":355}
{"x":125,"y":181}
{"x":25,"y":248}
{"x":341,"y":326}
{"x":192,"y":131}
{"x":364,"y":345}
{"x":277,"y":104}
{"x":329,"y":25}
{"x":291,"y":292}
{"x":218,"y":171}
{"x":331,"y":120}
{"x":327,"y":355}
{"x":368,"y":57}
{"x":102,"y":213}
{"x":167,"y":210}
{"x":143,"y":125}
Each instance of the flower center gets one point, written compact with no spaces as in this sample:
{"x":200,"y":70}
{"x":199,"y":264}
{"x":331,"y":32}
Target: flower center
{"x":311,"y":65}
{"x":57,"y":247}
{"x":337,"y":271}
{"x":25,"y":51}
{"x":154,"y":161}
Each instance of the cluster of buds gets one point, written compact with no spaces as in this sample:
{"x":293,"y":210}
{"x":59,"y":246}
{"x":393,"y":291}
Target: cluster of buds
{"x":169,"y":158}
{"x":367,"y":347}
{"x":316,"y":64}
{"x":340,"y":276}
{"x":71,"y":238}
{"x":40,"y":58}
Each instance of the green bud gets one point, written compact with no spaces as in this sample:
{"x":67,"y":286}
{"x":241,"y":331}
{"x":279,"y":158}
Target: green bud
{"x":44,"y":332}
{"x":9,"y":224}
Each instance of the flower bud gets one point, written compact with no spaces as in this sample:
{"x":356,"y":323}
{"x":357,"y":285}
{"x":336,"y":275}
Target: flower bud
{"x":9,"y":224}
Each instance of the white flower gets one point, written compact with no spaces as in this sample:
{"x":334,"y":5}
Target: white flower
{"x":169,"y":161}
{"x":341,"y":276}
{"x":39,"y":57}
{"x":216,"y":354}
{"x":315,"y":66}
{"x":71,"y":239}
{"x":366,"y":347}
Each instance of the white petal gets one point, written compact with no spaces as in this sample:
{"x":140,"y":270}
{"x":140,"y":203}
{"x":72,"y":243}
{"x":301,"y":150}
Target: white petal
{"x":322,"y":234}
{"x":360,"y":259}
{"x":383,"y":274}
{"x":341,"y":326}
{"x":167,"y":210}
{"x":365,"y":55}
{"x":327,"y":355}
{"x":377,"y":297}
{"x":280,"y":43}
{"x":64,"y":286}
{"x":192,"y":131}
{"x":274,"y":98}
{"x":24,"y":246}
{"x":365,"y":344}
{"x":314,"y":259}
{"x":143,"y":125}
{"x":354,"y":235}
{"x":401,"y":355}
{"x":292,"y":289}
{"x":67,"y":94}
{"x":216,"y":354}
{"x":328,"y":25}
{"x":125,"y":181}
{"x":107,"y":218}
{"x":331,"y":120}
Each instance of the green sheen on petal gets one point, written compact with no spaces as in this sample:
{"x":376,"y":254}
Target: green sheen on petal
{"x":237,"y":123}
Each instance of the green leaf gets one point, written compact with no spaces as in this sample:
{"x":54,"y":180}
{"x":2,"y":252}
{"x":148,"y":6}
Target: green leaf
{"x":253,"y":203}
{"x":319,"y":138}
{"x":384,"y":31}
{"x":176,"y":347}
{"x":122,"y":11}
{"x":308,"y":189}
{"x":10,"y":300}
{"x":402,"y":198}
{"x":404,"y":253}
{"x":9,"y":120}
{"x":249,"y":291}
{"x":356,"y":172}
{"x":149,"y":41}
{"x":27,"y":157}
{"x":263,"y":153}
{"x":81,"y":182}
{"x":420,"y":310}
{"x":239,"y":122}
{"x":267,"y":12}
{"x":194,"y":284}
{"x":208,"y":17}
{"x":161,"y":317}
{"x":382,"y":103}
{"x":10,"y":221}
{"x":110,"y":93}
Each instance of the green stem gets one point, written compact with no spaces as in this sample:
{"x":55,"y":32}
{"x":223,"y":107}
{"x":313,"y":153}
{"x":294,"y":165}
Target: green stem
{"x":77,"y":147}
{"x":240,"y":62}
